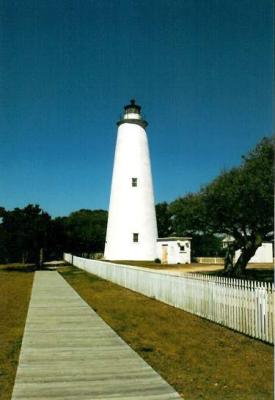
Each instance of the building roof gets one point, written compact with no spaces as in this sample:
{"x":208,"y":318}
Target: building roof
{"x":173,"y":238}
{"x":228,"y":239}
{"x":132,"y":107}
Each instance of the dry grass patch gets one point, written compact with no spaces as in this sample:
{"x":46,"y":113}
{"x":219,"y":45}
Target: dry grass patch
{"x":15,"y":290}
{"x":263,"y":272}
{"x":200,"y":359}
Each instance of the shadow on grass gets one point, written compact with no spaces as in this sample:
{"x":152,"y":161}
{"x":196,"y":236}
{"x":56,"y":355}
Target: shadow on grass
{"x":74,"y":274}
{"x":30,"y":267}
{"x":18,"y":268}
{"x":255,"y":274}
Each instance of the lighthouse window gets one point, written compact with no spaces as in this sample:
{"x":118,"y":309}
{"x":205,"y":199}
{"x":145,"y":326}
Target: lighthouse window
{"x":135,"y":237}
{"x":134,"y":182}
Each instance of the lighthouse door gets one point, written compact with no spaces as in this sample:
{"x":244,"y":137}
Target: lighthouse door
{"x":164,"y":257}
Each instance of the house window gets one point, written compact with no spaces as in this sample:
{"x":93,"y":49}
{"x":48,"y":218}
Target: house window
{"x":182,"y":248}
{"x":135,"y":237}
{"x":134,"y":182}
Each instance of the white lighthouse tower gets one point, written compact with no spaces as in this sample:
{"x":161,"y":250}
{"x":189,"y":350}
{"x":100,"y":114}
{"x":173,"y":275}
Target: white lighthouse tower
{"x":132,"y":226}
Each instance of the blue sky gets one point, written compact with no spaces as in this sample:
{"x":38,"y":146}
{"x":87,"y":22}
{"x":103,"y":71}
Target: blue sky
{"x":201,"y":70}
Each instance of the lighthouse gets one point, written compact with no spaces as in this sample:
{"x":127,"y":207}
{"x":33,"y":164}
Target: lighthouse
{"x":132,"y":227}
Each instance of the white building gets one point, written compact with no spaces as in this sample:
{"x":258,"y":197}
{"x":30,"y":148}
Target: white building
{"x":264,"y":253}
{"x":174,"y":250}
{"x":132,"y":227}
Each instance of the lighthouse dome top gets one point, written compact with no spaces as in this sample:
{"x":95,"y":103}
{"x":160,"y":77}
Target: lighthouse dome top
{"x":132,"y":107}
{"x":132,"y":115}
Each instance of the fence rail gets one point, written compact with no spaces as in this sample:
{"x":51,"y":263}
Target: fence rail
{"x":245,"y":306}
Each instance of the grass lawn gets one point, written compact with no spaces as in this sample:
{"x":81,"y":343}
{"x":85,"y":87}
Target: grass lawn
{"x":15,"y":289}
{"x":200,"y":359}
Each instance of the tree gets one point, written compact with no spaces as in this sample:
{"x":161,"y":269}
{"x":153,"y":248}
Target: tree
{"x":163,"y":219}
{"x":58,"y":239}
{"x":24,"y":232}
{"x":187,"y":214}
{"x":238,"y":203}
{"x":86,"y":231}
{"x":188,"y":219}
{"x":3,"y":248}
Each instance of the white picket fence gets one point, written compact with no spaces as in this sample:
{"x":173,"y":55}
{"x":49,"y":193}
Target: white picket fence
{"x":209,"y":260}
{"x":245,"y":306}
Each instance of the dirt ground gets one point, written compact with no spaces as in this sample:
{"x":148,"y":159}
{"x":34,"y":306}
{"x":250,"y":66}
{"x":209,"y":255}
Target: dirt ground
{"x":200,"y":359}
{"x":15,"y":290}
{"x":261,"y":272}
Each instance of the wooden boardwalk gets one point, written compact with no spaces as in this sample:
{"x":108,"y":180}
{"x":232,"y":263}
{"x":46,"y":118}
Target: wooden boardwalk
{"x":69,"y":352}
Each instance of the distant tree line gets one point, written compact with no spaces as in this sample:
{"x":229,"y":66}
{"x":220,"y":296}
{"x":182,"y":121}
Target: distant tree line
{"x":24,"y":232}
{"x":238,"y":203}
